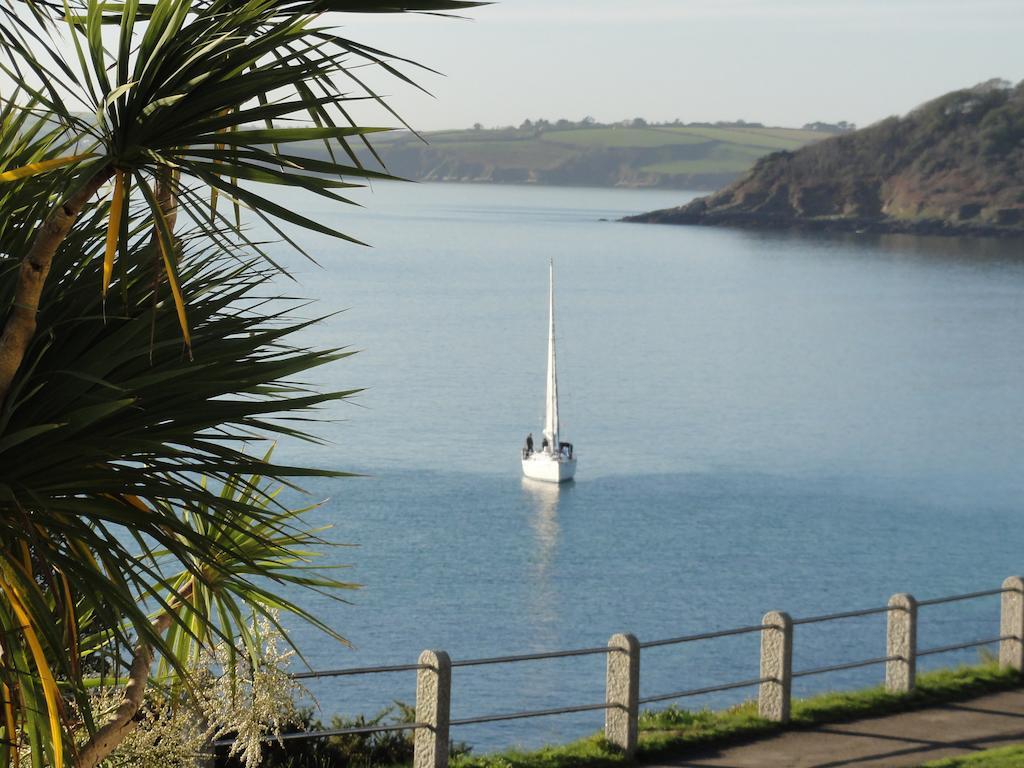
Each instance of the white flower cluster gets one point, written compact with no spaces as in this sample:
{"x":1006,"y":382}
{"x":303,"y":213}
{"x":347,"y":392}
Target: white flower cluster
{"x":230,"y":698}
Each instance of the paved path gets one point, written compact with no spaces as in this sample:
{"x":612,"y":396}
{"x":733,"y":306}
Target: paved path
{"x":909,"y":738}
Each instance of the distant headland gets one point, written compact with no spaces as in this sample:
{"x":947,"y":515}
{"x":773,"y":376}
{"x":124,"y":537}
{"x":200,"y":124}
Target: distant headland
{"x":629,"y":153}
{"x":953,"y":166}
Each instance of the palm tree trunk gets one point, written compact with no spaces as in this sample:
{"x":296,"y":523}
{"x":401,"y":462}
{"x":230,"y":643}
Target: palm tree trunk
{"x":35,"y":267}
{"x":113,"y":733}
{"x":110,"y":736}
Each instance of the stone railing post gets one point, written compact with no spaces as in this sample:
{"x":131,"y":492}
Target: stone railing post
{"x":433,"y":708}
{"x":622,"y":692}
{"x":901,"y":643}
{"x":1011,"y":624}
{"x":776,"y":667}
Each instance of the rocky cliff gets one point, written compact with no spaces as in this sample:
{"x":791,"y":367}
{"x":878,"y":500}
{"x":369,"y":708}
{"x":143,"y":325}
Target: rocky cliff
{"x":955,"y":165}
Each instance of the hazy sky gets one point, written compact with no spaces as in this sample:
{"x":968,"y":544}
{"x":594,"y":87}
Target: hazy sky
{"x":781,"y":62}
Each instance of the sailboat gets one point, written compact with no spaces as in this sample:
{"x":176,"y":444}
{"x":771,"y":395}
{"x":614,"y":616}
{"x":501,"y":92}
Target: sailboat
{"x":554,"y":461}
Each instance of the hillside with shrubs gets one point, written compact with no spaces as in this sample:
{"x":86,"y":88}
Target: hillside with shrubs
{"x":954,"y":165}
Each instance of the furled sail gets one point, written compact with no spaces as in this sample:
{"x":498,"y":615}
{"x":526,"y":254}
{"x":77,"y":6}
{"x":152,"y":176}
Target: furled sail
{"x":551,"y":407}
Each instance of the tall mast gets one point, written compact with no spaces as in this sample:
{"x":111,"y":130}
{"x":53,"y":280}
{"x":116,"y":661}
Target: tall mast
{"x":551,"y":405}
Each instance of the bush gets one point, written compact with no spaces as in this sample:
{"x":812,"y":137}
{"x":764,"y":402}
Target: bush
{"x":353,"y":750}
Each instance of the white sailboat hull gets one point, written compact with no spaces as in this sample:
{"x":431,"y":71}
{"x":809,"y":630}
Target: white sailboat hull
{"x":549,"y":468}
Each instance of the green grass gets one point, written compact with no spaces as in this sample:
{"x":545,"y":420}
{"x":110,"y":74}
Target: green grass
{"x":678,"y":154}
{"x":721,"y":158}
{"x":485,"y":134}
{"x":1002,"y":757}
{"x":766,"y":138}
{"x":621,"y":137}
{"x":523,"y":153}
{"x":673,"y":730}
{"x":760,"y":139}
{"x":797,"y":133}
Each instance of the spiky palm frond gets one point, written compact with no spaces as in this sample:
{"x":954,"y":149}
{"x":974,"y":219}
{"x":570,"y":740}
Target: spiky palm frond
{"x":211,"y":89}
{"x":114,"y":550}
{"x":104,"y":444}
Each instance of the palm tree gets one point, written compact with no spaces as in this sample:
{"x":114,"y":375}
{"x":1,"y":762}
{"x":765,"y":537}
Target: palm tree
{"x":139,"y":361}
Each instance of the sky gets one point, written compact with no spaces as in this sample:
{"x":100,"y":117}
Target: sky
{"x":779,"y":62}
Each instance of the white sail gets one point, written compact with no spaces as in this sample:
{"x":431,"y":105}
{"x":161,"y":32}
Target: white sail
{"x":550,"y":463}
{"x":551,"y":407}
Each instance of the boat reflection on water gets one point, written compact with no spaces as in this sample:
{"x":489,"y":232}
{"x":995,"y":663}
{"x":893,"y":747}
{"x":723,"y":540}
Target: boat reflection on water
{"x":542,"y":500}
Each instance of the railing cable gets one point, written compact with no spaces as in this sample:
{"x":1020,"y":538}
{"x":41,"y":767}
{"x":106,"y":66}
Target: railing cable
{"x":962,"y":646}
{"x":355,"y":671}
{"x":709,"y":689}
{"x":846,"y":665}
{"x":531,"y":657}
{"x":843,"y":615}
{"x":704,"y":636}
{"x":531,"y":713}
{"x":967,"y":596}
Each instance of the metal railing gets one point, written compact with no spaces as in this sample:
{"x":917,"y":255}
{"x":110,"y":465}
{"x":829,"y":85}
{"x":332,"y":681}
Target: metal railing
{"x":530,"y":657}
{"x":622,"y":682}
{"x":703,"y":636}
{"x":355,"y":671}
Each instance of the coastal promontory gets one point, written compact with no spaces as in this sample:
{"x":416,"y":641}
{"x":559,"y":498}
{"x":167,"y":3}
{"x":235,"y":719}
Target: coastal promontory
{"x":954,"y":165}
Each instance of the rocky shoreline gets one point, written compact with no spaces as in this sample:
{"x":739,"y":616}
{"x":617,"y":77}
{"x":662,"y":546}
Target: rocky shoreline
{"x":698,"y":214}
{"x":951,"y":167}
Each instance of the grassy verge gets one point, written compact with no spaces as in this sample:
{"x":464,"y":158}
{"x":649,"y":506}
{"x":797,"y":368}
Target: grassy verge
{"x":1002,"y":757}
{"x":674,"y":730}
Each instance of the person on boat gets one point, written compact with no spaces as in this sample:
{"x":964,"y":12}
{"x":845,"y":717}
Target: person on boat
{"x":529,"y":444}
{"x":544,"y":445}
{"x":565,"y":449}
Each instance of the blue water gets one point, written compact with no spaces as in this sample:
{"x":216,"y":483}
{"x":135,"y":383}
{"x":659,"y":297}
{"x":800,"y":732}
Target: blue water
{"x":763,"y":421}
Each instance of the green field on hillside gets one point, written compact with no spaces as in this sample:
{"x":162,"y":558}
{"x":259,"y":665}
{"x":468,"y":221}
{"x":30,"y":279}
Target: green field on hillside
{"x":764,"y":138}
{"x":519,"y":153}
{"x":621,"y":137}
{"x":660,"y":136}
{"x":672,"y":156}
{"x":721,"y":158}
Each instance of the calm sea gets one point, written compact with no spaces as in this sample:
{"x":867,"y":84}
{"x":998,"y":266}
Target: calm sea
{"x":763,"y":421}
